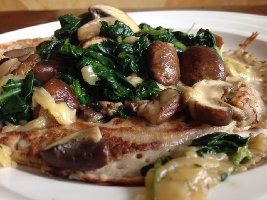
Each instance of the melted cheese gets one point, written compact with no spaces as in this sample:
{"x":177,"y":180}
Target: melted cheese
{"x":236,"y":69}
{"x":189,"y":176}
{"x":62,"y":113}
{"x":88,"y":75}
{"x":40,"y":122}
{"x":5,"y":159}
{"x":4,"y":80}
{"x":134,"y":79}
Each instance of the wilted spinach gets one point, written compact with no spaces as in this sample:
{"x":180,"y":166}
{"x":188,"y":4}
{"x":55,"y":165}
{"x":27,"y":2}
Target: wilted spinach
{"x":119,"y":29}
{"x":82,"y":94}
{"x":220,"y":142}
{"x":145,"y":89}
{"x":15,"y":99}
{"x":70,"y":24}
{"x":111,"y":83}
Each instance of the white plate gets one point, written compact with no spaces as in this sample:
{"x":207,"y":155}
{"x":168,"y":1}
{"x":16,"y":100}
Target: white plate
{"x":25,"y":183}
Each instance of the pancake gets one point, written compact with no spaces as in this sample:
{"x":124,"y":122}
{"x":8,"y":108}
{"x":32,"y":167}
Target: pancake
{"x":134,"y":143}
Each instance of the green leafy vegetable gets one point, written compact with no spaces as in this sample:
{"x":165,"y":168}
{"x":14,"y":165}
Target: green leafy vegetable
{"x":124,"y":113}
{"x":15,"y":99}
{"x":70,"y":24}
{"x":160,"y":161}
{"x":221,"y":142}
{"x":112,"y":84}
{"x":50,"y":49}
{"x":116,"y":30}
{"x":80,"y":92}
{"x":224,"y":176}
{"x":128,"y":63}
{"x":145,"y":89}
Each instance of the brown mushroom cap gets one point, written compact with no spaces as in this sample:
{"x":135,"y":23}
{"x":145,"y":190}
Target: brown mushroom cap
{"x":61,"y":92}
{"x":206,"y":104}
{"x":164,"y":63}
{"x":201,"y":62}
{"x":82,"y":150}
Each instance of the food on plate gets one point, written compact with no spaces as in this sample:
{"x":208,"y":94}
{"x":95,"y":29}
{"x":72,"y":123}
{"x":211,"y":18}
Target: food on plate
{"x":104,"y":97}
{"x":208,"y":161}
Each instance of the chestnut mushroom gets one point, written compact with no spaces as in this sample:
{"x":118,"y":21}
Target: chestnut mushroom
{"x":82,"y":150}
{"x":164,"y":63}
{"x":45,"y":70}
{"x":27,"y":65}
{"x":96,"y":111}
{"x":201,"y":62}
{"x":205,"y":103}
{"x":93,"y":40}
{"x":8,"y":65}
{"x":104,"y":13}
{"x":20,"y":54}
{"x":62,"y":93}
{"x":162,"y":106}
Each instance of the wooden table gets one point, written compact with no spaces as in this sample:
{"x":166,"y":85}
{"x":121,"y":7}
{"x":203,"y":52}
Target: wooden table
{"x":13,"y":20}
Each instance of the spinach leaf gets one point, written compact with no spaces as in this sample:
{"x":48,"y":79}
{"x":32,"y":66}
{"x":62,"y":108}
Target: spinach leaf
{"x":128,"y":63}
{"x":51,"y":48}
{"x":119,"y":29}
{"x":144,"y":26}
{"x":224,"y":176}
{"x":70,"y":24}
{"x":242,"y":155}
{"x":15,"y":99}
{"x":220,"y":142}
{"x":145,"y":89}
{"x":205,"y":37}
{"x":111,"y":83}
{"x":81,"y":93}
{"x":6,"y":95}
{"x":105,"y":47}
{"x":159,"y":162}
{"x":71,"y":51}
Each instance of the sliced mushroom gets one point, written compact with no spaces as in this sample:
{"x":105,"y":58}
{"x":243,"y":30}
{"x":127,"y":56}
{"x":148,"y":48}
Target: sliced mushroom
{"x":109,"y":108}
{"x":21,"y":54}
{"x":242,"y":97}
{"x":27,"y":65}
{"x":82,"y":150}
{"x":94,"y":40}
{"x":98,"y":11}
{"x":206,"y":105}
{"x":92,"y":28}
{"x":3,"y":60}
{"x":96,"y":111}
{"x":103,"y":13}
{"x":163,"y":105}
{"x":8,"y":66}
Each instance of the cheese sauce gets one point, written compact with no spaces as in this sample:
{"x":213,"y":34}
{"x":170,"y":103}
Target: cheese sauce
{"x":189,"y":177}
{"x":236,"y":69}
{"x":62,"y":113}
{"x":5,"y":159}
